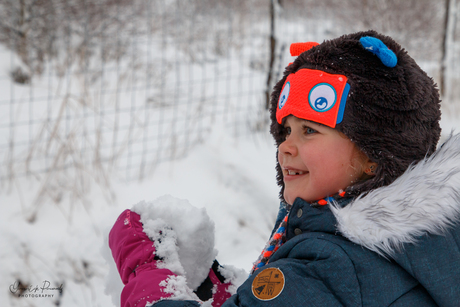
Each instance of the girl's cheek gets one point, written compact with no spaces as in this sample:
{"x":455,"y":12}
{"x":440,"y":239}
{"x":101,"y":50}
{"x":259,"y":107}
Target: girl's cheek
{"x":279,"y":157}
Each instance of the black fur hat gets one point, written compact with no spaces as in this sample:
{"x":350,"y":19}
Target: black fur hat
{"x":392,"y":113}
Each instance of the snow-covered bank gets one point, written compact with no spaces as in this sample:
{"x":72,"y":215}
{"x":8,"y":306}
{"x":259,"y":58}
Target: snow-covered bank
{"x":232,"y":178}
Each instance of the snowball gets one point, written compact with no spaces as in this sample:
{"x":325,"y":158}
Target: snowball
{"x":183,"y":236}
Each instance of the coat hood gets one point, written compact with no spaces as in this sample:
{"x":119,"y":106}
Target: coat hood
{"x":425,"y":200}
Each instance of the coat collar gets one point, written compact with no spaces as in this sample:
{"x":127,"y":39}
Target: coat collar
{"x":312,"y":217}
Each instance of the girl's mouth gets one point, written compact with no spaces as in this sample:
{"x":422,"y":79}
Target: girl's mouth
{"x":292,"y":172}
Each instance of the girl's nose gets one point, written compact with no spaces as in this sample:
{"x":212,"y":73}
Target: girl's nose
{"x":288,"y":147}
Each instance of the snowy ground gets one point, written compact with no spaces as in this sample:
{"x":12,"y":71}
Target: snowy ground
{"x":233,"y":178}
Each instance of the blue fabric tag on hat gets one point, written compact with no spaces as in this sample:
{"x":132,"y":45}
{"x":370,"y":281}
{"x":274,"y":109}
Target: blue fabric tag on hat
{"x":377,"y":47}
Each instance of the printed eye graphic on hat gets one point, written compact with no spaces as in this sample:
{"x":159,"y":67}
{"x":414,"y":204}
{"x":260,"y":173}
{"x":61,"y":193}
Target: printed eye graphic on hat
{"x":322,"y":97}
{"x":284,"y":95}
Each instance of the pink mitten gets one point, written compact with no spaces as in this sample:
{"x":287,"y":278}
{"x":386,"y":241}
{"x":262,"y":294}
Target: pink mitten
{"x":134,"y":255}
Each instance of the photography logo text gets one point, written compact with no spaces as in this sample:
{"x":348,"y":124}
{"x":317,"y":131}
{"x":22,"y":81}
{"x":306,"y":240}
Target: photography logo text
{"x":45,"y":289}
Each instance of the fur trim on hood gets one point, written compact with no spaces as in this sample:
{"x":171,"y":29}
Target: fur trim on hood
{"x":424,"y":200}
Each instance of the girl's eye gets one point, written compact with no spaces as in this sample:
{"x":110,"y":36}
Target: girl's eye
{"x":288,"y":130}
{"x":309,"y":130}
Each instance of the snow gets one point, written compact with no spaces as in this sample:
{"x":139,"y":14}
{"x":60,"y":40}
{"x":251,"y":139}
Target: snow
{"x":177,"y":287}
{"x":230,"y":178}
{"x":113,"y":284}
{"x":234,"y":276}
{"x":183,"y":236}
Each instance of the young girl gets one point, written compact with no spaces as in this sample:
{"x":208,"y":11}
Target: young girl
{"x":370,"y":210}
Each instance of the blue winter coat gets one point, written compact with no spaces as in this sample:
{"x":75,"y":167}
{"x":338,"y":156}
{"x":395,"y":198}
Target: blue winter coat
{"x":322,"y":268}
{"x":397,"y":246}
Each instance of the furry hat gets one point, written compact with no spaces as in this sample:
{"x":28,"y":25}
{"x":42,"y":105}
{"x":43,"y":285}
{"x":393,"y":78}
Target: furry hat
{"x":392,"y":108}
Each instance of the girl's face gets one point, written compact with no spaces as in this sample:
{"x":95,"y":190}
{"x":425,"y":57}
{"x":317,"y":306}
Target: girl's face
{"x":317,"y":161}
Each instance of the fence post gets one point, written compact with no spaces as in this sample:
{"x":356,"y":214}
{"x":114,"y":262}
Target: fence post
{"x":272,"y":53}
{"x":447,"y":40}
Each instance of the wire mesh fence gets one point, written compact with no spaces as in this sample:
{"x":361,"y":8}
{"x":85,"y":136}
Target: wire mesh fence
{"x":116,"y":85}
{"x":125,"y":86}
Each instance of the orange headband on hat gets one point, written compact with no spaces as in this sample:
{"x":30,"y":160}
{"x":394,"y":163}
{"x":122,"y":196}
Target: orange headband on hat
{"x":314,"y":95}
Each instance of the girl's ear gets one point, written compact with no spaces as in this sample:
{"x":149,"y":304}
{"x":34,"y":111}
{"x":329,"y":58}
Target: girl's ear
{"x":369,"y":168}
